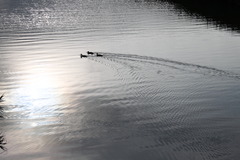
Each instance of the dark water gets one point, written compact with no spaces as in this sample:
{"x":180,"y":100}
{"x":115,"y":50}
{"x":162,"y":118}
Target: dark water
{"x":167,"y":86}
{"x":224,"y":14}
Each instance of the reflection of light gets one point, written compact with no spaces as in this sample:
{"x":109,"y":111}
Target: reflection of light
{"x":36,"y":96}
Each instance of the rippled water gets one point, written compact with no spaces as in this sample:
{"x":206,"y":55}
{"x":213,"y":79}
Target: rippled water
{"x":167,"y":86}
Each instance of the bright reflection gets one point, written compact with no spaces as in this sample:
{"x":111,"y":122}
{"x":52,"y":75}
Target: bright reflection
{"x":36,"y":96}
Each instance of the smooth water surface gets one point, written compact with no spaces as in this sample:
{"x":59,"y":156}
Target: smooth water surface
{"x":167,"y":86}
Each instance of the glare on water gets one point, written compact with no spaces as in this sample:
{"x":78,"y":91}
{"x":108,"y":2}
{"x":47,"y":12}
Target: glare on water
{"x":167,"y":86}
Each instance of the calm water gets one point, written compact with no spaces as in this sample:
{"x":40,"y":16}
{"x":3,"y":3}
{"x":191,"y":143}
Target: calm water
{"x":167,"y":86}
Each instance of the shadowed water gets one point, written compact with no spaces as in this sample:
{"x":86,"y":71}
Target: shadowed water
{"x":167,"y":86}
{"x":222,"y":13}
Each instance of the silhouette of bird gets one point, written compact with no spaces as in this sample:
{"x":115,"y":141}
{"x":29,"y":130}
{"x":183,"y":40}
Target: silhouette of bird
{"x":99,"y":55}
{"x":88,"y":52}
{"x":83,"y":56}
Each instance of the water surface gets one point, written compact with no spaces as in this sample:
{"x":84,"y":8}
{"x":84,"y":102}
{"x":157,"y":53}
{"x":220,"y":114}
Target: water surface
{"x":167,"y":86}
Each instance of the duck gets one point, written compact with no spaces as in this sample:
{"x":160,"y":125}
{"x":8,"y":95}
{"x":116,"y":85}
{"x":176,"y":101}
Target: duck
{"x":99,"y":55}
{"x":88,"y":52}
{"x":83,"y":56}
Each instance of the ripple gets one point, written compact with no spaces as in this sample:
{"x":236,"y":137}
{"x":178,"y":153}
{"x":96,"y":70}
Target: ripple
{"x":119,"y":106}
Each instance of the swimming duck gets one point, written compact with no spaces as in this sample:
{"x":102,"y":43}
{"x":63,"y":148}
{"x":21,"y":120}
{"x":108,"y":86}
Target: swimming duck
{"x":88,"y":52}
{"x":85,"y":56}
{"x":99,"y":55}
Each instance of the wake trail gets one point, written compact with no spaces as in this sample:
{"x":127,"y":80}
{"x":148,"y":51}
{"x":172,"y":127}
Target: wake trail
{"x":195,"y":68}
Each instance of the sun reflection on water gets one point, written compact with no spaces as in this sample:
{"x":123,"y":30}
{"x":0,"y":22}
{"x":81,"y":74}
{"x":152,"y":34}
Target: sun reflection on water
{"x":36,"y":97}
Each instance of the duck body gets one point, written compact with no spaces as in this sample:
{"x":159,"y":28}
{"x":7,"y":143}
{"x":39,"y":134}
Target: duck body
{"x":83,"y":56}
{"x":90,"y":53}
{"x":99,"y":55}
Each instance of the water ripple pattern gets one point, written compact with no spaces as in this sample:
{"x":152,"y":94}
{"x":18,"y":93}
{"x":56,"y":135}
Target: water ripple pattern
{"x":173,"y":95}
{"x":171,"y":106}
